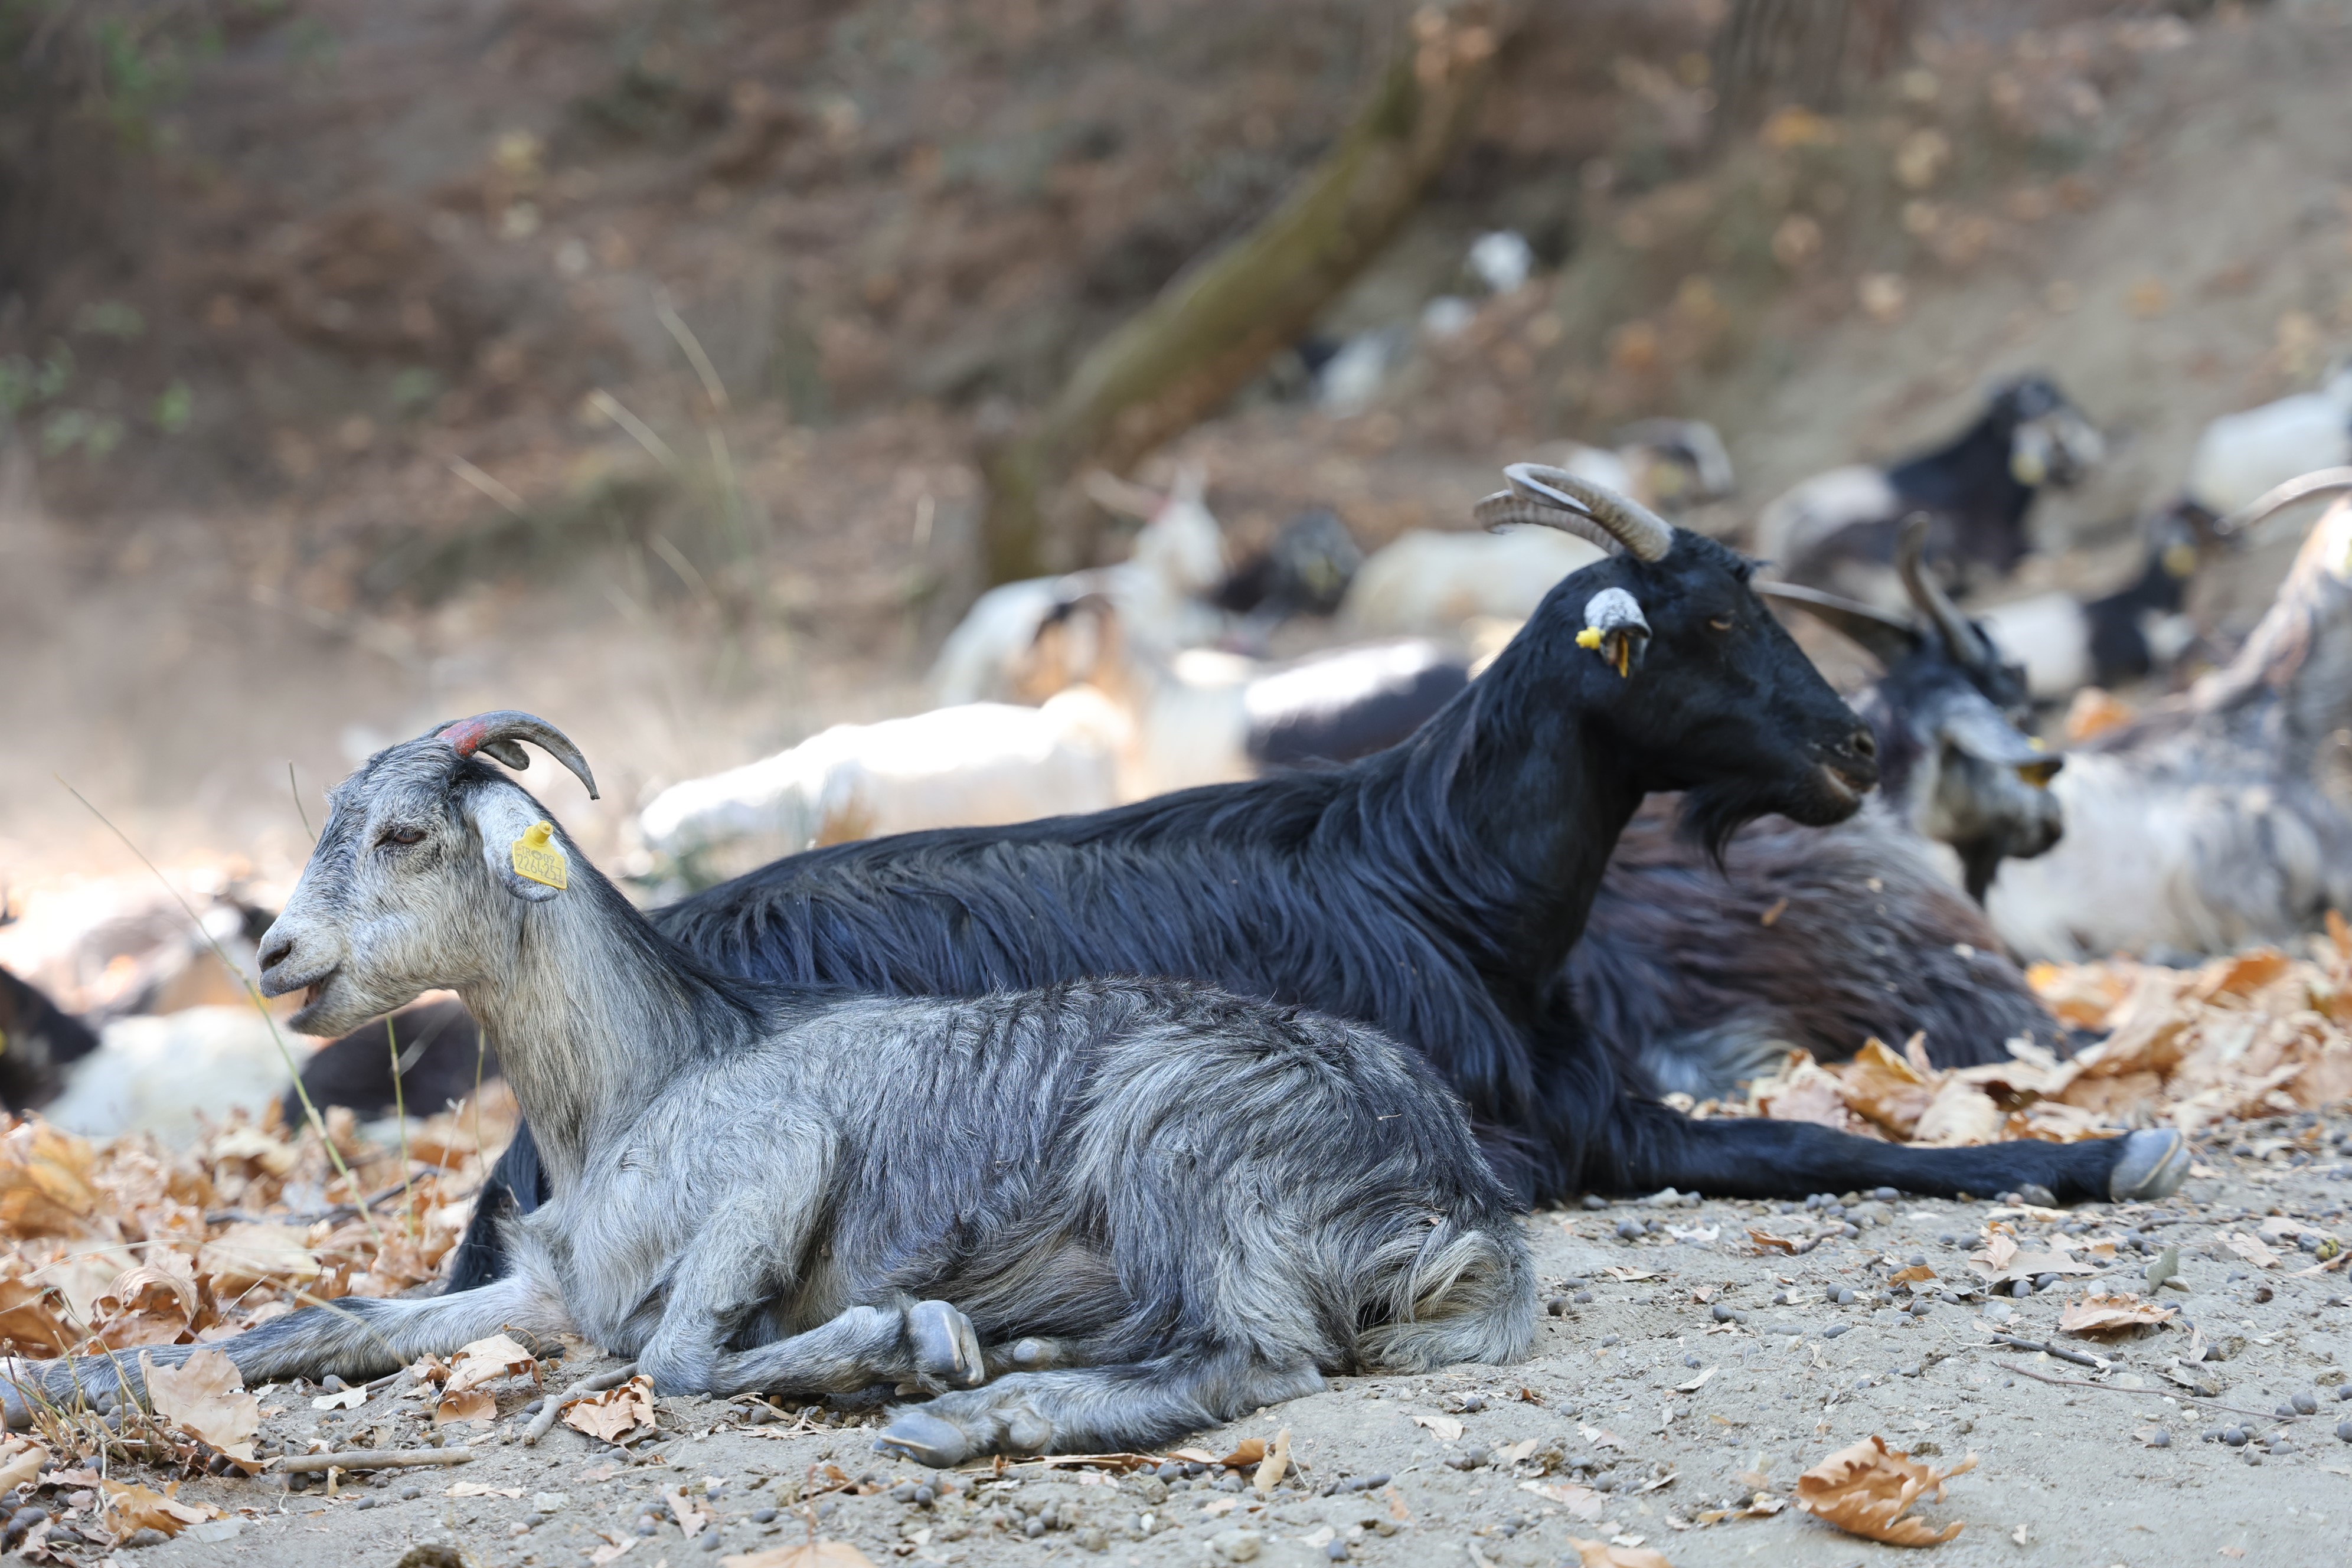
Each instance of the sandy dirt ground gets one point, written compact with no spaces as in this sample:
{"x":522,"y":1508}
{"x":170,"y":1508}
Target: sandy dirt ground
{"x":1593,"y":1437}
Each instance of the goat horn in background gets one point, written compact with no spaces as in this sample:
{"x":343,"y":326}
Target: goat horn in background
{"x":1961,"y":635}
{"x":1886,"y":639}
{"x":1641,"y":531}
{"x":2323,"y":481}
{"x":497,"y":732}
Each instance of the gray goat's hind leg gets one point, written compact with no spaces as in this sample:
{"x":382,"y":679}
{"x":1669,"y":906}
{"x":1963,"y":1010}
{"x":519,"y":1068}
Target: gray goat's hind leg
{"x":916,"y":1342}
{"x":1093,"y":1409}
{"x":356,"y":1338}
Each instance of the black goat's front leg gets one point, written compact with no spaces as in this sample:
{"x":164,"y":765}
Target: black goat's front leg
{"x":515,"y":1185}
{"x":1647,"y":1146}
{"x":356,"y":1338}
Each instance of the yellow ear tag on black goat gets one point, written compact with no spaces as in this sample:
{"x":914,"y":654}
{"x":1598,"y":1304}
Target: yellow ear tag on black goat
{"x":534,"y":858}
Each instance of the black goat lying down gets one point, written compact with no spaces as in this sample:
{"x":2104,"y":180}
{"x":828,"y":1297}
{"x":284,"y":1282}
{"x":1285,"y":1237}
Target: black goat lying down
{"x":1820,"y":938}
{"x":1432,"y":890}
{"x":435,"y":1049}
{"x":38,"y":1040}
{"x":1092,"y":1216}
{"x":1840,"y":530}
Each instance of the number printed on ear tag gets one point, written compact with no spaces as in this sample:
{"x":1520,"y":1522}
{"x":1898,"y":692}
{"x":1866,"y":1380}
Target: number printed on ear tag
{"x":534,"y":857}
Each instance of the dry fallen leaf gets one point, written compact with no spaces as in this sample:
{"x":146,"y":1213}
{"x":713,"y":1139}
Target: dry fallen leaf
{"x":1696,"y":1384}
{"x":130,"y":1508}
{"x":1269,"y":1474}
{"x":2253,"y":1251}
{"x":689,"y":1518}
{"x":45,"y":1186}
{"x":1248,"y":1454}
{"x":1602,"y":1438}
{"x":1445,"y":1427}
{"x":486,"y":1360}
{"x":342,"y":1399}
{"x":1601,"y":1554}
{"x":611,"y":1549}
{"x":247,"y":1254}
{"x":1918,"y":1273}
{"x":474,"y":1405}
{"x":2110,"y":1312}
{"x":822,"y":1554}
{"x":1582,"y":1501}
{"x":479,"y":1489}
{"x":1864,"y":1490}
{"x":21,"y":1459}
{"x":205,"y":1396}
{"x":616,"y":1412}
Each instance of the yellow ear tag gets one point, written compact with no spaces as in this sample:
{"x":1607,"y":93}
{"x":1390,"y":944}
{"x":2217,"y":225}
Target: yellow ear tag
{"x":1589,"y":637}
{"x":2180,"y":560}
{"x":533,"y":858}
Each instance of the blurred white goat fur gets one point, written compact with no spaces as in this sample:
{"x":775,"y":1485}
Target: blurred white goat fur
{"x":975,"y":765}
{"x":1179,"y":556}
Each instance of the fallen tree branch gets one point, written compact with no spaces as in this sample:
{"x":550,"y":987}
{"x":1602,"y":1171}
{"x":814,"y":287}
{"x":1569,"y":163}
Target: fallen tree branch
{"x":1217,"y":323}
{"x":2157,"y":1392}
{"x":2061,"y":1352}
{"x":542,"y":1423}
{"x":372,"y":1459}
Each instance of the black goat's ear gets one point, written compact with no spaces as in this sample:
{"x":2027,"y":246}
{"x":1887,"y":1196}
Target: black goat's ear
{"x":1887,"y":639}
{"x":520,"y":846}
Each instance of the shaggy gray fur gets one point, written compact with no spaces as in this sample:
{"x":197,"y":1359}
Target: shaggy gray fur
{"x":1164,"y":1205}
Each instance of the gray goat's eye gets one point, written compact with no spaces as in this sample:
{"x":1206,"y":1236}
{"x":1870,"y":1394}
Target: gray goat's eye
{"x":1720,"y":622}
{"x":402,"y":835}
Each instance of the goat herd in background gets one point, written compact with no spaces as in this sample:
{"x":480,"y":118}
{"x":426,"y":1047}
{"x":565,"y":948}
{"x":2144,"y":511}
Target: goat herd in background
{"x":1312,"y":974}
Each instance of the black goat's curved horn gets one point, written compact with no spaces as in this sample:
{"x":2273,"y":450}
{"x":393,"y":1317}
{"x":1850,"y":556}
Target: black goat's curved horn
{"x":1886,"y":639}
{"x":496,"y":733}
{"x":1629,"y":524}
{"x":1508,"y":509}
{"x":1961,"y":635}
{"x":2320,"y":482}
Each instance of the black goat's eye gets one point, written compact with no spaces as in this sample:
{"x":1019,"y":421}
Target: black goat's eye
{"x":403,"y":835}
{"x":1720,"y":622}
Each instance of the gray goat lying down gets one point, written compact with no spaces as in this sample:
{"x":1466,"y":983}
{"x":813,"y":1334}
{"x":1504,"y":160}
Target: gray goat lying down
{"x":1093,"y":1216}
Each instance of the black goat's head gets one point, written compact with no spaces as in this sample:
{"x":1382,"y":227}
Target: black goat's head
{"x":2051,"y":442}
{"x":1665,"y":648}
{"x":1946,"y":714}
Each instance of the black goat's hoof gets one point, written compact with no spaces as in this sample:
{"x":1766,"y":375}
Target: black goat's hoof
{"x":2151,"y":1165}
{"x":924,"y":1439}
{"x":946,"y":1348}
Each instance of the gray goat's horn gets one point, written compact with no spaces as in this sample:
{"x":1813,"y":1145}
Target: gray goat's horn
{"x":2320,"y":482}
{"x":1886,"y":639}
{"x":1615,"y":521}
{"x":1961,"y":635}
{"x":497,"y":732}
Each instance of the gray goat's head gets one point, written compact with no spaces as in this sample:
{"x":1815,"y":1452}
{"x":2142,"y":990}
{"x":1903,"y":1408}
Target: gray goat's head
{"x":420,"y":879}
{"x":1953,"y":761}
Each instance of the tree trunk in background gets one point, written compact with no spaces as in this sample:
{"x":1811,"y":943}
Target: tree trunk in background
{"x":1769,"y":54}
{"x":1217,"y":323}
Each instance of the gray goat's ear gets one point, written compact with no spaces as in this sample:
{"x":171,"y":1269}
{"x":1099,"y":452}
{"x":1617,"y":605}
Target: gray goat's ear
{"x":519,"y":845}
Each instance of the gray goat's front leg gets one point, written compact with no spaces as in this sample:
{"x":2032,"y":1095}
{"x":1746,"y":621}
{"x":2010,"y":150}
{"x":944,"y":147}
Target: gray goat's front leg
{"x":731,"y":1271}
{"x":356,"y":1338}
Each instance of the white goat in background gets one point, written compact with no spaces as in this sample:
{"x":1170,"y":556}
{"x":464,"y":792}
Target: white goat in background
{"x":2219,"y":819}
{"x":1178,"y":558}
{"x":974,"y":765}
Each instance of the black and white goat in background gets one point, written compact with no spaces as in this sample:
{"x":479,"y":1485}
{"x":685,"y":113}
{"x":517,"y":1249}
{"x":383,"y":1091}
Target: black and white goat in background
{"x":2222,"y":818}
{"x":1432,"y":890}
{"x":1823,"y":937}
{"x":1190,"y":1205}
{"x":1840,"y":530}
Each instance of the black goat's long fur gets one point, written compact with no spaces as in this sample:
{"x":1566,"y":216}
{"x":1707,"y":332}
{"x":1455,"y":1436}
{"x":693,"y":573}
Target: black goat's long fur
{"x":1820,"y":938}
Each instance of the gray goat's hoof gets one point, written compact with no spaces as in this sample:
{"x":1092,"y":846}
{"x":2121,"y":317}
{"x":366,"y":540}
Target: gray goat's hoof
{"x":946,"y":1348}
{"x":2151,"y":1165}
{"x":924,"y":1439}
{"x":1033,"y":1355}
